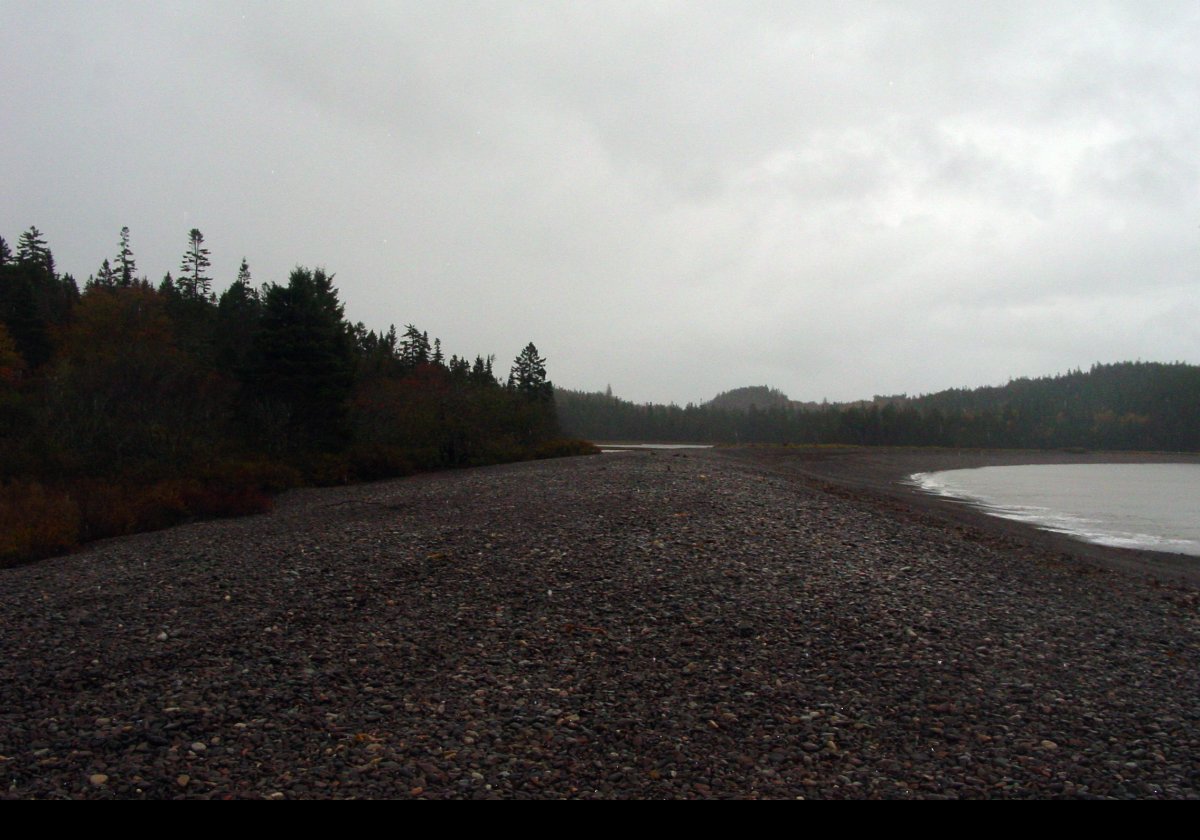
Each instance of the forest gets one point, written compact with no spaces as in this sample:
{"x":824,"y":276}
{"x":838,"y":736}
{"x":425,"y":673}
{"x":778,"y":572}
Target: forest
{"x":1130,"y":405}
{"x":127,"y":405}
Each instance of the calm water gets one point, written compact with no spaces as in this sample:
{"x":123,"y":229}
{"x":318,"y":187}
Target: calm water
{"x":1148,"y":506}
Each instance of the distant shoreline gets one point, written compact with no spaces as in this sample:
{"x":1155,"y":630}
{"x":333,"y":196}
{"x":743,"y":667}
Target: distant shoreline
{"x":880,"y":474}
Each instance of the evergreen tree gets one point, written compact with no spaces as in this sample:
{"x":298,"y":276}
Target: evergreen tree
{"x":460,"y":369}
{"x":238,"y":314}
{"x":414,"y":349}
{"x":193,"y":282}
{"x":12,"y":366}
{"x":105,"y":278}
{"x":126,"y":265}
{"x":528,"y":375}
{"x":33,"y":299}
{"x":5,"y":253}
{"x":481,"y":372}
{"x":243,"y":276}
{"x":33,"y":251}
{"x":305,"y":364}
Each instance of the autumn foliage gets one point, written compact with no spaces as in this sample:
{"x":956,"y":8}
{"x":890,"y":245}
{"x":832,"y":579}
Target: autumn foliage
{"x":130,"y":406}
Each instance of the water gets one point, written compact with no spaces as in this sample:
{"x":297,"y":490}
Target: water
{"x":1146,"y":506}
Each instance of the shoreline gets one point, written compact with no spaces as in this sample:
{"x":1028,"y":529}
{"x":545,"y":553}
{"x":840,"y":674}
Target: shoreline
{"x":880,"y":475}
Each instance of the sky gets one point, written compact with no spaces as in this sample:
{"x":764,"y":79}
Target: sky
{"x":836,"y":199}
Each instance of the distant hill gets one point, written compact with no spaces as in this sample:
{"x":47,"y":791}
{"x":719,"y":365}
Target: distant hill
{"x":1128,"y":405}
{"x":753,"y":396}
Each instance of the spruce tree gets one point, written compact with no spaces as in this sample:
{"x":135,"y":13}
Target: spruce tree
{"x":528,"y":375}
{"x":243,"y":276}
{"x":305,"y":364}
{"x":414,"y":349}
{"x":126,"y":265}
{"x":194,"y":283}
{"x":33,"y":251}
{"x":238,"y":314}
{"x":105,"y":278}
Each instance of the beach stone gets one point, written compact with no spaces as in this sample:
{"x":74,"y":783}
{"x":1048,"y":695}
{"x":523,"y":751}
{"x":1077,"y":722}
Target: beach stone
{"x":601,"y":628}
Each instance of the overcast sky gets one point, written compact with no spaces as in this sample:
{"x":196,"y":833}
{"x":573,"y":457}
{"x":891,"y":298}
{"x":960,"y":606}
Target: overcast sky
{"x":837,"y":199}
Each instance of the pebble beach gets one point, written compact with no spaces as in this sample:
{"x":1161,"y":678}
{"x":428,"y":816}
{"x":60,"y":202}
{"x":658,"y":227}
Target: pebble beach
{"x":697,"y":624}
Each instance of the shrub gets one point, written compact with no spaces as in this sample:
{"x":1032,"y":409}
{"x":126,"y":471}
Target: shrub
{"x":35,"y":522}
{"x":564,"y":448}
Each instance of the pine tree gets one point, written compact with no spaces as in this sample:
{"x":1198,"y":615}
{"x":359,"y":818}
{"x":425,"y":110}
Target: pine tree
{"x":5,"y":253}
{"x":193,"y":282}
{"x":126,"y":265}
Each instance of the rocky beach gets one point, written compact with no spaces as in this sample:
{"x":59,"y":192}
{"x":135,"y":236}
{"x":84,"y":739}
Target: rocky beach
{"x":755,"y":623}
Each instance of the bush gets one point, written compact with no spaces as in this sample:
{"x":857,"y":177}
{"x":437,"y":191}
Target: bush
{"x":372,"y":463}
{"x":265,"y":476}
{"x":564,"y":448}
{"x":35,"y":522}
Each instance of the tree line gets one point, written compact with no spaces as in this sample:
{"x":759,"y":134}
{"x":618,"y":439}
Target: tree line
{"x":127,"y":404}
{"x":1127,"y":406}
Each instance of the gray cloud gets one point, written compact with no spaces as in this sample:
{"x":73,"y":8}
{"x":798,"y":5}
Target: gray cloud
{"x":676,"y":198}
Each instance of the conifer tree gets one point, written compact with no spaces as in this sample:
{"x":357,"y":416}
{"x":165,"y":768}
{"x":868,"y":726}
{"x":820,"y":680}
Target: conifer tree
{"x":238,"y":314}
{"x":126,"y":265}
{"x":305,"y":367}
{"x":12,"y":366}
{"x":32,"y":250}
{"x":528,"y":375}
{"x":414,"y":349}
{"x":481,"y":372}
{"x":243,"y":276}
{"x":105,"y":278}
{"x":33,"y":299}
{"x":194,"y":283}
